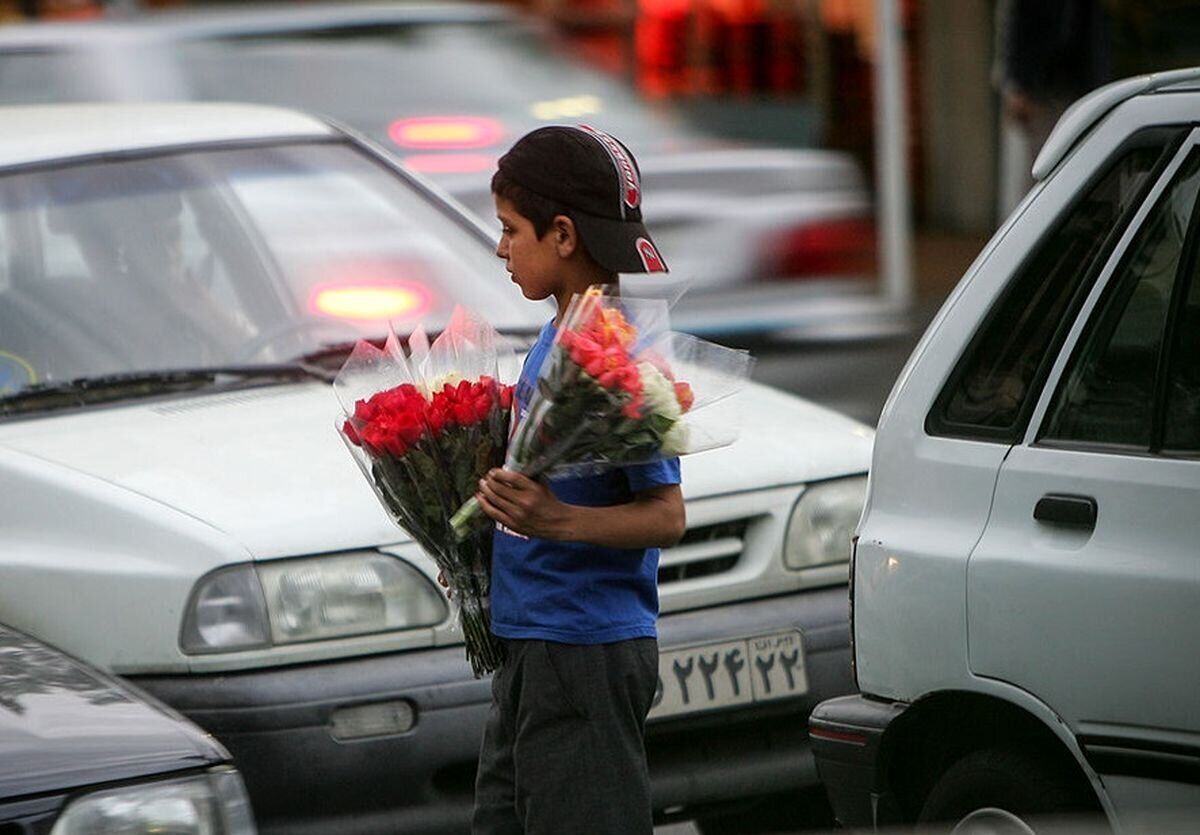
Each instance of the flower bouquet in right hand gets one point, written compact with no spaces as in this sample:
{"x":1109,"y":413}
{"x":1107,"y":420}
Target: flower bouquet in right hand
{"x":618,"y":388}
{"x":424,"y":428}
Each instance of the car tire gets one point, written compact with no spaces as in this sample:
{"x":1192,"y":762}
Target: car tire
{"x":1003,"y":791}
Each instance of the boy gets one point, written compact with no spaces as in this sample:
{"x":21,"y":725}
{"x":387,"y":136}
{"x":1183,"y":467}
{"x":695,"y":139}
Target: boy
{"x":574,"y":565}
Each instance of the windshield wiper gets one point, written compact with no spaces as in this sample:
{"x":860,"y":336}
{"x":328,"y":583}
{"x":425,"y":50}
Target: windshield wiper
{"x":107,"y":388}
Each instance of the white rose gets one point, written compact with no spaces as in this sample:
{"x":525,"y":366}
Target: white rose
{"x":676,"y":441}
{"x":659,"y":392}
{"x":436,"y":384}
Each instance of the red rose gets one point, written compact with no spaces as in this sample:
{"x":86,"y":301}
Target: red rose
{"x":464,"y":414}
{"x":506,"y":397}
{"x":410,"y":427}
{"x":685,"y":396}
{"x":483,"y":407}
{"x":437,"y":421}
{"x":351,"y":433}
{"x":630,"y":380}
{"x":394,"y":445}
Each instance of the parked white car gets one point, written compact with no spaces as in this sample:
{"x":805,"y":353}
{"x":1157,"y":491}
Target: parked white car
{"x":1026,"y":589}
{"x":177,"y":285}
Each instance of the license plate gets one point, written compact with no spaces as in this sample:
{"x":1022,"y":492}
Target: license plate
{"x":718,"y":675}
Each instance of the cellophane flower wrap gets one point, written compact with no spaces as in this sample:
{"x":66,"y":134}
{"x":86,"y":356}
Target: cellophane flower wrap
{"x":618,"y":388}
{"x":424,"y":427}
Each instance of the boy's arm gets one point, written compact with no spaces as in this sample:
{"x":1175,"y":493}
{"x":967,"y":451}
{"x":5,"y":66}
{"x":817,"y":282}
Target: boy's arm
{"x":654,"y":519}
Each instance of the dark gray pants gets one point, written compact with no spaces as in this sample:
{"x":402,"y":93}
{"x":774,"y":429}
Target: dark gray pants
{"x":563,"y":747}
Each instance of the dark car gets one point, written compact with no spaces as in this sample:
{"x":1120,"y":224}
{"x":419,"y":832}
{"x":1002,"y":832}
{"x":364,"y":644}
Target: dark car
{"x":81,"y":752}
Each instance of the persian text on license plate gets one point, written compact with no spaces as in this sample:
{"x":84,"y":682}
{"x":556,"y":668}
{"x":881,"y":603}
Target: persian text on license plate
{"x":709,"y":676}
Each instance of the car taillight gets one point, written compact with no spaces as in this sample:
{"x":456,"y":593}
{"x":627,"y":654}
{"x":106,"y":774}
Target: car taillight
{"x":833,"y":248}
{"x":446,"y":133}
{"x":373,"y":301}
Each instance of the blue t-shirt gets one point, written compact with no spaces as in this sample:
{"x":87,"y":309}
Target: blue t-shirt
{"x":574,"y":592}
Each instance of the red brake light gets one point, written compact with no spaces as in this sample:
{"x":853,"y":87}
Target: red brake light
{"x":370,"y":300}
{"x":843,"y":247}
{"x":445,"y":133}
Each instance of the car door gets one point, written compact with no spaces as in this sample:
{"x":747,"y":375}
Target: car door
{"x":1084,"y":589}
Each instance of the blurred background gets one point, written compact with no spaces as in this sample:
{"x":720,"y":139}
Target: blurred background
{"x":761,"y":126}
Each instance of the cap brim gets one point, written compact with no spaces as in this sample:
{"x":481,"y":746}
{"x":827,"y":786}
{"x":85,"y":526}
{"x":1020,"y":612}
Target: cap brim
{"x":622,"y":246}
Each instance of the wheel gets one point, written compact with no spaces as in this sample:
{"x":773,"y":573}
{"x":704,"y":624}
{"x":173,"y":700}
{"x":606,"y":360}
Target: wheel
{"x":1006,"y":792}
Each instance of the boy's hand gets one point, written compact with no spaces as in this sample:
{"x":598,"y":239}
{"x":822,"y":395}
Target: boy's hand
{"x":522,"y":505}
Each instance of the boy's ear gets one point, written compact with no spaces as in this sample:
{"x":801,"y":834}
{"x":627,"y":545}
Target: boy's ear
{"x":566,"y":238}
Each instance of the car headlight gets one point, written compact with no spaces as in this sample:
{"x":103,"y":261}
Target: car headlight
{"x":823,"y":522}
{"x":227,"y":612}
{"x":209,"y":804}
{"x":309,"y":599}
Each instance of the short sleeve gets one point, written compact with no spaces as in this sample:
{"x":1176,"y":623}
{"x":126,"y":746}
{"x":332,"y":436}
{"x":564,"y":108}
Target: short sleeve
{"x":655,"y":474}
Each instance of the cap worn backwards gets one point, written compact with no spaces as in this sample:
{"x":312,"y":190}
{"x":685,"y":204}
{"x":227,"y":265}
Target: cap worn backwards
{"x":596,"y":177}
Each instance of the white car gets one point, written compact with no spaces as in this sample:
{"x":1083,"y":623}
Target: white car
{"x":1026,"y":586}
{"x":177,"y":285}
{"x":770,"y":240}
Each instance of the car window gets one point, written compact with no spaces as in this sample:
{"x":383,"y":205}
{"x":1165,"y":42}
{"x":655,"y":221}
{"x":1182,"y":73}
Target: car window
{"x":1108,"y":393}
{"x":231,"y":256}
{"x":1181,"y":429}
{"x":992,"y":389}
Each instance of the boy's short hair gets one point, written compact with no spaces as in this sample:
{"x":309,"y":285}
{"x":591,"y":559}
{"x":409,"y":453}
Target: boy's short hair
{"x":592,"y":178}
{"x":538,"y":210}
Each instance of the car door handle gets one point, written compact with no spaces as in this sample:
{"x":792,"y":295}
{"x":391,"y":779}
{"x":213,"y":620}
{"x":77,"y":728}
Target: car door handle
{"x":1064,"y":509}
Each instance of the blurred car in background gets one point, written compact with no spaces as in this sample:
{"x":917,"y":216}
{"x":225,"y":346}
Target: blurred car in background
{"x":767,"y":240}
{"x":82,"y":753}
{"x":178,"y":283}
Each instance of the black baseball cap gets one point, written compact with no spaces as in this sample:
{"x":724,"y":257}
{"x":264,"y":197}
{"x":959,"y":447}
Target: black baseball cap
{"x":595,"y":176}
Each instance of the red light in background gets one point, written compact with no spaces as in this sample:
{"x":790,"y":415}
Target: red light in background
{"x":449,"y":163}
{"x":369,"y":300}
{"x":445,"y":133}
{"x":841,"y":247}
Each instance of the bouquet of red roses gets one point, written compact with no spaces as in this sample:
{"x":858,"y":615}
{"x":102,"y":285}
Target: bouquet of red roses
{"x":424,"y":428}
{"x":618,"y":388}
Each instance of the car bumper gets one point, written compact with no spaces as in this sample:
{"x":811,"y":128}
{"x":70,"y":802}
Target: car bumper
{"x":793,"y":311}
{"x":277,"y":724}
{"x":847,"y":740}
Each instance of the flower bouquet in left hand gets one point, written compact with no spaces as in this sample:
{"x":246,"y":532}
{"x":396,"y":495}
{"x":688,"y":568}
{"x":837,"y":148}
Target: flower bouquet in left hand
{"x":424,"y":427}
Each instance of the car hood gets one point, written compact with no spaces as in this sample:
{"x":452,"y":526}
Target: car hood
{"x":266,"y":466}
{"x":64,"y":725}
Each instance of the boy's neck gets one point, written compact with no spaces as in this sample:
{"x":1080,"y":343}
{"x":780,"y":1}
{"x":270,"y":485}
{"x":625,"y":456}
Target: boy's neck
{"x":576,"y":281}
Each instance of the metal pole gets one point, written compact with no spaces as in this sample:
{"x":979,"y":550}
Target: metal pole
{"x":891,"y":135}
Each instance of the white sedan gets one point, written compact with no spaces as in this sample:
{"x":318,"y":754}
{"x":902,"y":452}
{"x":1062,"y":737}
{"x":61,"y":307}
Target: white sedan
{"x":177,"y":283}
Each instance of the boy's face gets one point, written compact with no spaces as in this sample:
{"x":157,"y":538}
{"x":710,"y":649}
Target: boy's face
{"x":534,"y":263}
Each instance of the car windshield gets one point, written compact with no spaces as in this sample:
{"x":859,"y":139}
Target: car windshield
{"x":237,"y":256}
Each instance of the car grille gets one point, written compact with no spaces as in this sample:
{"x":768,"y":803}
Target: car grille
{"x":703,"y":551}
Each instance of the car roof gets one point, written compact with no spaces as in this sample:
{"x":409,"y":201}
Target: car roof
{"x":42,"y":133}
{"x":1081,"y":116}
{"x":246,"y":19}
